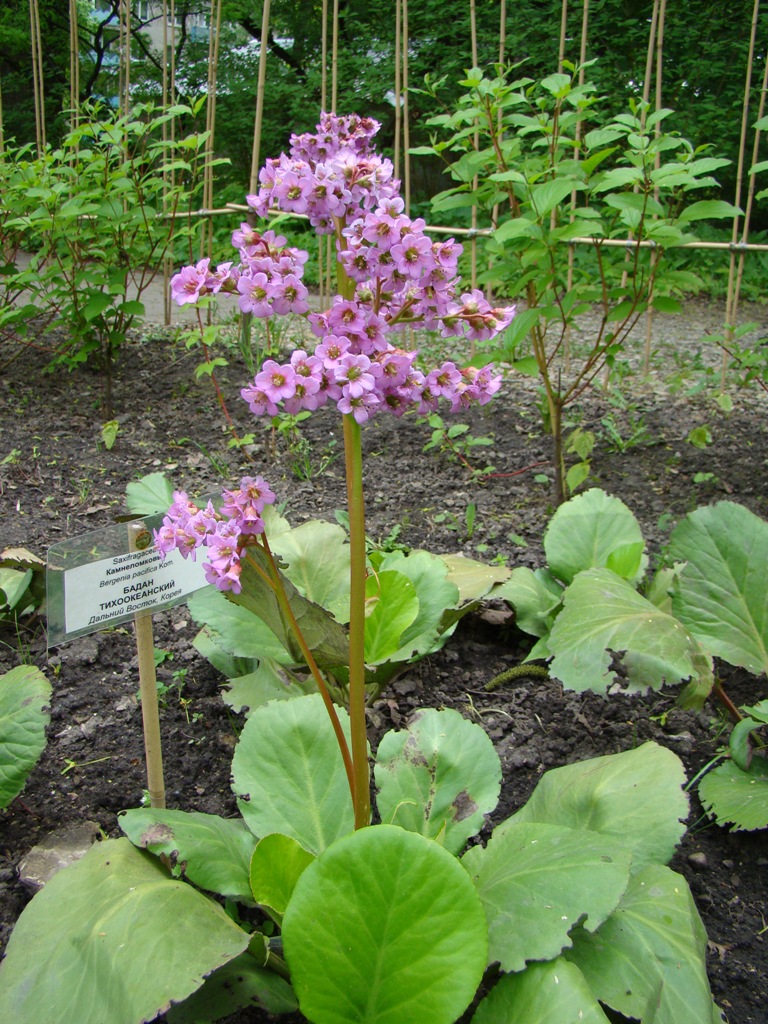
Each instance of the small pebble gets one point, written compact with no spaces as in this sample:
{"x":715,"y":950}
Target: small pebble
{"x":728,"y":864}
{"x":698,"y":861}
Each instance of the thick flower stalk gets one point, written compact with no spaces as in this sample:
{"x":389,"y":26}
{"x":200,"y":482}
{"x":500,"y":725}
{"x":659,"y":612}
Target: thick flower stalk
{"x":392,"y":278}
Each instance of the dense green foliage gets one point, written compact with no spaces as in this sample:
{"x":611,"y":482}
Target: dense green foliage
{"x":705,"y":55}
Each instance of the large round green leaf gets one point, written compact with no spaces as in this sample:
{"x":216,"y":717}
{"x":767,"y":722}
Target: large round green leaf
{"x":651,"y":950}
{"x":635,"y":796}
{"x":594,"y":530}
{"x":602,"y":614}
{"x":440,"y":777}
{"x":537,"y":881}
{"x":214,"y":853}
{"x":317,"y":557}
{"x":24,"y":694}
{"x":236,"y":629}
{"x":112,"y":939}
{"x":289,"y":776}
{"x":736,"y":797}
{"x":549,"y":993}
{"x":385,"y":928}
{"x":722,"y":593}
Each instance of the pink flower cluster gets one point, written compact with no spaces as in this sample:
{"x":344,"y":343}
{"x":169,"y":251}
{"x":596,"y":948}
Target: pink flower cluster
{"x":267,"y":280}
{"x":330,"y":175}
{"x":224,"y":534}
{"x":400,"y":277}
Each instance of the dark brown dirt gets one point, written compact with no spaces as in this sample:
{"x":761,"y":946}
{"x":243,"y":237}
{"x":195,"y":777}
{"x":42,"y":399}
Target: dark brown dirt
{"x":57,"y":480}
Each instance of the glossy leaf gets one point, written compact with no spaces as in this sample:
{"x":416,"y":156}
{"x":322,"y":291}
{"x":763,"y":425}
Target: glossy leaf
{"x":587,"y":530}
{"x":535,"y":596}
{"x":24,"y":696}
{"x":391,"y":606}
{"x":440,"y":777}
{"x":288,"y":774}
{"x":213,"y":852}
{"x":722,"y":592}
{"x":635,"y":796}
{"x":603,"y":616}
{"x":549,"y":993}
{"x":537,"y":881}
{"x":436,"y":594}
{"x":109,"y":957}
{"x":651,"y":951}
{"x":385,"y":926}
{"x":276,"y":866}
{"x":736,"y":797}
{"x":316,"y":554}
{"x":236,"y":630}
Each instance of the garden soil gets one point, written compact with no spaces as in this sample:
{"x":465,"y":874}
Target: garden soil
{"x":58,"y":481}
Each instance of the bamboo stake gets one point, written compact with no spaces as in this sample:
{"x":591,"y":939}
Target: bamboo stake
{"x":649,"y":315}
{"x":730,"y":305}
{"x":167,"y":178}
{"x":406,"y":125}
{"x":502,"y":55}
{"x":74,"y":66}
{"x":750,"y":199}
{"x":577,"y":156}
{"x":475,"y":180}
{"x":324,"y":59}
{"x":563,"y":28}
{"x":138,"y":538}
{"x":260,"y":92}
{"x":335,"y":57}
{"x":37,"y":75}
{"x":398,"y":112}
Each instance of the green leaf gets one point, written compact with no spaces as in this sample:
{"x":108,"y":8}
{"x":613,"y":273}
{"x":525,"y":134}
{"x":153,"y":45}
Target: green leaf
{"x":132,"y":308}
{"x":234,"y":629}
{"x":537,"y":881}
{"x":651,"y":951}
{"x":603,"y":616}
{"x":548,"y":195}
{"x":241,"y":984}
{"x":666,"y":304}
{"x":276,"y":866}
{"x":440,"y":777}
{"x":325,"y":637}
{"x":127,"y":942}
{"x":474,"y":579}
{"x":385,"y":926}
{"x":214,"y":853}
{"x":635,"y":796}
{"x":151,"y":494}
{"x":288,"y":774}
{"x":96,"y":306}
{"x":517,"y":227}
{"x":391,"y":606}
{"x":708,"y":209}
{"x":267,"y":682}
{"x":736,"y":797}
{"x":317,"y":557}
{"x":109,"y":432}
{"x":586,"y":530}
{"x":722,"y":593}
{"x":436,"y":594}
{"x":535,"y":596}
{"x":24,"y":695}
{"x":549,"y":993}
{"x":576,"y":475}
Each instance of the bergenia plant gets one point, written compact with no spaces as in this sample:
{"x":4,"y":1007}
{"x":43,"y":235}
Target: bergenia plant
{"x":567,"y":909}
{"x":391,"y":278}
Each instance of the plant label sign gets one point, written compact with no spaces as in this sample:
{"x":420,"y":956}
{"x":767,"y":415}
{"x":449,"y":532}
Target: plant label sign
{"x":95,"y":581}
